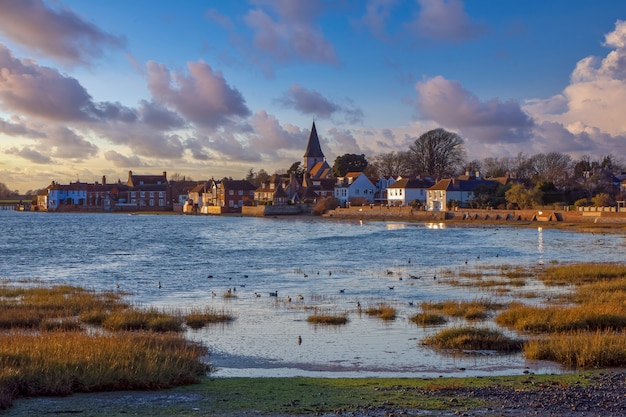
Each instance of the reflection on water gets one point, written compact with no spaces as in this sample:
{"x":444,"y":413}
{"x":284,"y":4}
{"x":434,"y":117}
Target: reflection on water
{"x":331,"y":264}
{"x":540,"y":244}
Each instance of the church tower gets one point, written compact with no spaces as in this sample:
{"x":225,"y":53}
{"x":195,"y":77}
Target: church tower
{"x":313,"y":153}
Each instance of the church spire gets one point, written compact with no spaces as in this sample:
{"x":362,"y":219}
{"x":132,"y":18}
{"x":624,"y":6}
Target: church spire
{"x":313,"y":148}
{"x":313,"y":153}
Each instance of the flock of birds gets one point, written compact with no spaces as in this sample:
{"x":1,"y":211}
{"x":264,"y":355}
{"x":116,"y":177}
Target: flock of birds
{"x":231,"y":292}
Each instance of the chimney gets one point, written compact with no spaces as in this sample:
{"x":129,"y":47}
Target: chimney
{"x":467,"y":172}
{"x":165,"y":174}
{"x":104,"y":180}
{"x":477,"y":174}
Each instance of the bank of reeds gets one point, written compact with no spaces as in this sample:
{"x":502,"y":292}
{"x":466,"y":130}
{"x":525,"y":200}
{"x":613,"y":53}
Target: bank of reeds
{"x":470,"y":310}
{"x":580,"y":350}
{"x":200,"y":317}
{"x":383,"y":311}
{"x":325,"y":317}
{"x":428,"y":319}
{"x":586,"y":332}
{"x":582,"y":273}
{"x":473,"y":338}
{"x":46,"y":350}
{"x":535,"y":319}
{"x":61,"y":363}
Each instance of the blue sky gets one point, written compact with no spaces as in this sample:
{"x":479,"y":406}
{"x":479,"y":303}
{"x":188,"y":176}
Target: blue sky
{"x":215,"y":88}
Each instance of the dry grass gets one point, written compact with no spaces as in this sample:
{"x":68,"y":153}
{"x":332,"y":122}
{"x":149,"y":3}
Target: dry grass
{"x":198,"y":318}
{"x":578,"y":274}
{"x":383,"y":311}
{"x":319,"y":317}
{"x":428,"y":319}
{"x":470,"y":310}
{"x":581,"y":350}
{"x":44,"y":349}
{"x":472,"y":338}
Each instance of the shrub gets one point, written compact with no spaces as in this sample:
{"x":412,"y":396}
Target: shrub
{"x":325,"y":204}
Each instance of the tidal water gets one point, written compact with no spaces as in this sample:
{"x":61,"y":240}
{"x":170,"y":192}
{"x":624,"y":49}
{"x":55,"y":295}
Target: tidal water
{"x":332,"y":264}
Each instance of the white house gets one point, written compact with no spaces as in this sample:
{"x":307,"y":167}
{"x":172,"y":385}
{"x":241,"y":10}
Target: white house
{"x":381,"y":187}
{"x":354,"y":185}
{"x":406,"y":190}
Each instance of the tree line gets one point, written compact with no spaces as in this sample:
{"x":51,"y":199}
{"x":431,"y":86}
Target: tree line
{"x":540,"y":179}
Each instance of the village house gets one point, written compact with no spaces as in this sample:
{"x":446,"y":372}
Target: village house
{"x":458,"y":191}
{"x":407,"y":191}
{"x":231,"y":195}
{"x":354,"y":187}
{"x":382,"y":184}
{"x":145,"y":192}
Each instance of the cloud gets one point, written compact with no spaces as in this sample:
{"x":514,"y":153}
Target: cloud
{"x":377,"y":15}
{"x":121,"y":161}
{"x":344,"y":142}
{"x":444,"y":20}
{"x":30,"y":89}
{"x":60,"y":34}
{"x":312,"y":103}
{"x":589,"y":111}
{"x":215,"y":16}
{"x":270,"y":137}
{"x":292,"y":35}
{"x":202,"y":95}
{"x":159,"y":117}
{"x":30,"y":154}
{"x":19,"y":129}
{"x":68,"y":144}
{"x":308,"y":102}
{"x":449,"y":104}
{"x":33,"y":90}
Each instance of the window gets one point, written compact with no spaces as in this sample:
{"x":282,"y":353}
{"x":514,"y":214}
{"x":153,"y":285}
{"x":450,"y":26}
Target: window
{"x":133,"y":194}
{"x":162,"y":202}
{"x":151,"y":194}
{"x":133,"y":201}
{"x":231,"y":192}
{"x":142,"y":194}
{"x":240,"y":192}
{"x":152,"y":201}
{"x":231,"y":203}
{"x":161,"y":194}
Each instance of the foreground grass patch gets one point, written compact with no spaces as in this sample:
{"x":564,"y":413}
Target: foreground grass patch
{"x":45,"y":348}
{"x":472,"y":338}
{"x":581,"y":350}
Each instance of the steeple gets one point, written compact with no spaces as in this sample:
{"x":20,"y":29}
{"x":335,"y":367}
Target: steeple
{"x":313,"y":153}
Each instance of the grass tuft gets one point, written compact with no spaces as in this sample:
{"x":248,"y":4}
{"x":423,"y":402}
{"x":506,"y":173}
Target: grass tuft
{"x":472,"y":338}
{"x":328,"y":318}
{"x":382,"y":311}
{"x":428,"y":319}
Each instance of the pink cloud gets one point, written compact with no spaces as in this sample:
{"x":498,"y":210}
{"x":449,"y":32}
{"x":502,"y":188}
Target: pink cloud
{"x":60,"y":34}
{"x":201,"y":95}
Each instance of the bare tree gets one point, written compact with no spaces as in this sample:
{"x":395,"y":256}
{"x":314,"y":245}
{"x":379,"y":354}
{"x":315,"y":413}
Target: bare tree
{"x":552,"y":167}
{"x":392,"y":163}
{"x":437,"y":154}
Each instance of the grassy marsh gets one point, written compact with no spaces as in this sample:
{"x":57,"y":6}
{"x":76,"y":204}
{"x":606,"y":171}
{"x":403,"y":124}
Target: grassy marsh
{"x":61,"y":340}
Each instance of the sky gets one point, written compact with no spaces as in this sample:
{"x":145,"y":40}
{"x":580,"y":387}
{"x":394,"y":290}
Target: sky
{"x":212,"y":89}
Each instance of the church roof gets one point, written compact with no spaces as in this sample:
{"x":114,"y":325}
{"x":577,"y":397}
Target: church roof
{"x":313,"y":148}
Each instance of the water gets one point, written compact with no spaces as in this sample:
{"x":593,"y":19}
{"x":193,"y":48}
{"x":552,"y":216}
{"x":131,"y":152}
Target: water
{"x":263,"y":255}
